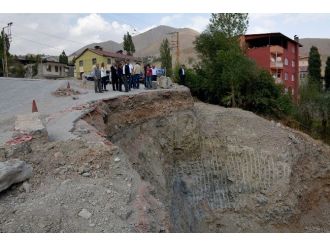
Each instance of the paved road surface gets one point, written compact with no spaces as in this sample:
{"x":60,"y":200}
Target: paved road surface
{"x":16,"y":97}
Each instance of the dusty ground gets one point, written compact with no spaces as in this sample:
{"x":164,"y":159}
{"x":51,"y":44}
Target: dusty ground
{"x":169,"y":164}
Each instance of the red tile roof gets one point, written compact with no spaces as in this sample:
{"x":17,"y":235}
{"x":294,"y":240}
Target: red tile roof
{"x":107,"y":54}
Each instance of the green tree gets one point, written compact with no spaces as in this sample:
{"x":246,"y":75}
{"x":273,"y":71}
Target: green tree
{"x":165,"y":56}
{"x":128,"y":44}
{"x":327,"y":74}
{"x":227,"y":77}
{"x":63,"y":58}
{"x":231,"y":24}
{"x":314,"y":66}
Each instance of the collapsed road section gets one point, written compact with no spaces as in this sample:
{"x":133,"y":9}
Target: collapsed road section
{"x":159,"y":162}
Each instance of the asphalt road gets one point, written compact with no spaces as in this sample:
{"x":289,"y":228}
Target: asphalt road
{"x":16,"y":96}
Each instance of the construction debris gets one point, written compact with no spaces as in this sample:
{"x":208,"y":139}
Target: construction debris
{"x":60,"y":92}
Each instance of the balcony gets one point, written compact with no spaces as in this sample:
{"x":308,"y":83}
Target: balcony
{"x":276,"y":49}
{"x":278,"y":81}
{"x":276,"y":65}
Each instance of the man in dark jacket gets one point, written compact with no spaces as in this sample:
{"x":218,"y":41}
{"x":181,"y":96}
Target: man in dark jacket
{"x":127,"y":82}
{"x":182,"y":74}
{"x":114,"y":78}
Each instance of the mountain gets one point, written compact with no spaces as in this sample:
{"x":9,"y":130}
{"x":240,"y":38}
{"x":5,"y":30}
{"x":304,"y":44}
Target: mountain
{"x":323,"y":45}
{"x":148,"y":43}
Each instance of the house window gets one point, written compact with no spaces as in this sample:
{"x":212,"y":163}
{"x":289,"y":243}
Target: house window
{"x":81,"y":63}
{"x":286,"y":61}
{"x":292,"y":77}
{"x":49,"y":68}
{"x":56,"y":68}
{"x":60,"y":69}
{"x":285,"y":76}
{"x":94,"y":61}
{"x":109,"y":60}
{"x":293,"y":64}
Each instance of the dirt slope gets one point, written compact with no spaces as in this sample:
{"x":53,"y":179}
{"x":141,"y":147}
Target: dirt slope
{"x":169,"y":164}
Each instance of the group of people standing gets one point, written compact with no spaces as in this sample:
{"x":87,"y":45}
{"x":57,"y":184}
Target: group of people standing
{"x":124,"y":73}
{"x":121,"y":73}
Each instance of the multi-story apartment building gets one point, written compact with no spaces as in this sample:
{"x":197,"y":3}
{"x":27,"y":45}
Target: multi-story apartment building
{"x":303,"y":70}
{"x":278,"y":54}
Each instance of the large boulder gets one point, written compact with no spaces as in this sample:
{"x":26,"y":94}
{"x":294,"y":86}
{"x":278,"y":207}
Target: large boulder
{"x":164,"y":82}
{"x":12,"y":172}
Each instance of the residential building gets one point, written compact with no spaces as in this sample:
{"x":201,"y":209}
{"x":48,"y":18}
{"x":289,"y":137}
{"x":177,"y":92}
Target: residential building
{"x":278,"y":54}
{"x":85,"y":62}
{"x":303,"y":70}
{"x":51,"y":68}
{"x":47,"y":67}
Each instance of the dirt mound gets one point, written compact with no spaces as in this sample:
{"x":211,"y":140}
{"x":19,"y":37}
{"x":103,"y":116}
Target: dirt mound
{"x":63,"y":91}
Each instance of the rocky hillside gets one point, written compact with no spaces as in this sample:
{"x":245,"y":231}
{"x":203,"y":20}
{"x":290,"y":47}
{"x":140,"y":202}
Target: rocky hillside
{"x":148,"y":43}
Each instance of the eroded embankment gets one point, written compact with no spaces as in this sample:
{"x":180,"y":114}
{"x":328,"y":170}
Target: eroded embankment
{"x":217,"y":169}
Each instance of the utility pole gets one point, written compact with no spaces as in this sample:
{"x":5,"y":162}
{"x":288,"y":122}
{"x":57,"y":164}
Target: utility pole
{"x":4,"y":35}
{"x":175,"y":44}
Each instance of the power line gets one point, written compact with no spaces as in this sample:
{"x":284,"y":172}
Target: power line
{"x":51,"y":47}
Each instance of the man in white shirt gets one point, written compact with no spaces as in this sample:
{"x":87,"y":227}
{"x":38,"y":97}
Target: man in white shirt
{"x":137,"y":71}
{"x":154,"y":73}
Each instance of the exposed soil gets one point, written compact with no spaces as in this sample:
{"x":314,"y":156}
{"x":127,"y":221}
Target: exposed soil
{"x":159,"y":162}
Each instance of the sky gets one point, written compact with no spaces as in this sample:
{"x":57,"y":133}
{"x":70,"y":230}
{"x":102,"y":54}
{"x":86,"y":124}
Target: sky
{"x":52,"y":33}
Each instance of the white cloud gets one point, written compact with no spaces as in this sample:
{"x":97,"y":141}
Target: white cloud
{"x":94,"y":28}
{"x":199,"y":23}
{"x":169,"y":19}
{"x":52,"y":33}
{"x":262,"y":23}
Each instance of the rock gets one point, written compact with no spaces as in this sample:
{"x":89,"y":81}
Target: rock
{"x":278,"y":125}
{"x":81,"y":131}
{"x":13,"y":171}
{"x":164,"y":82}
{"x":293,"y":139}
{"x":117,"y":159}
{"x":124,"y":214}
{"x":261,"y":199}
{"x":27,"y":187}
{"x":18,"y":149}
{"x":75,"y":97}
{"x":84,"y":213}
{"x":86,"y":174}
{"x":84,"y":169}
{"x":58,"y":155}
